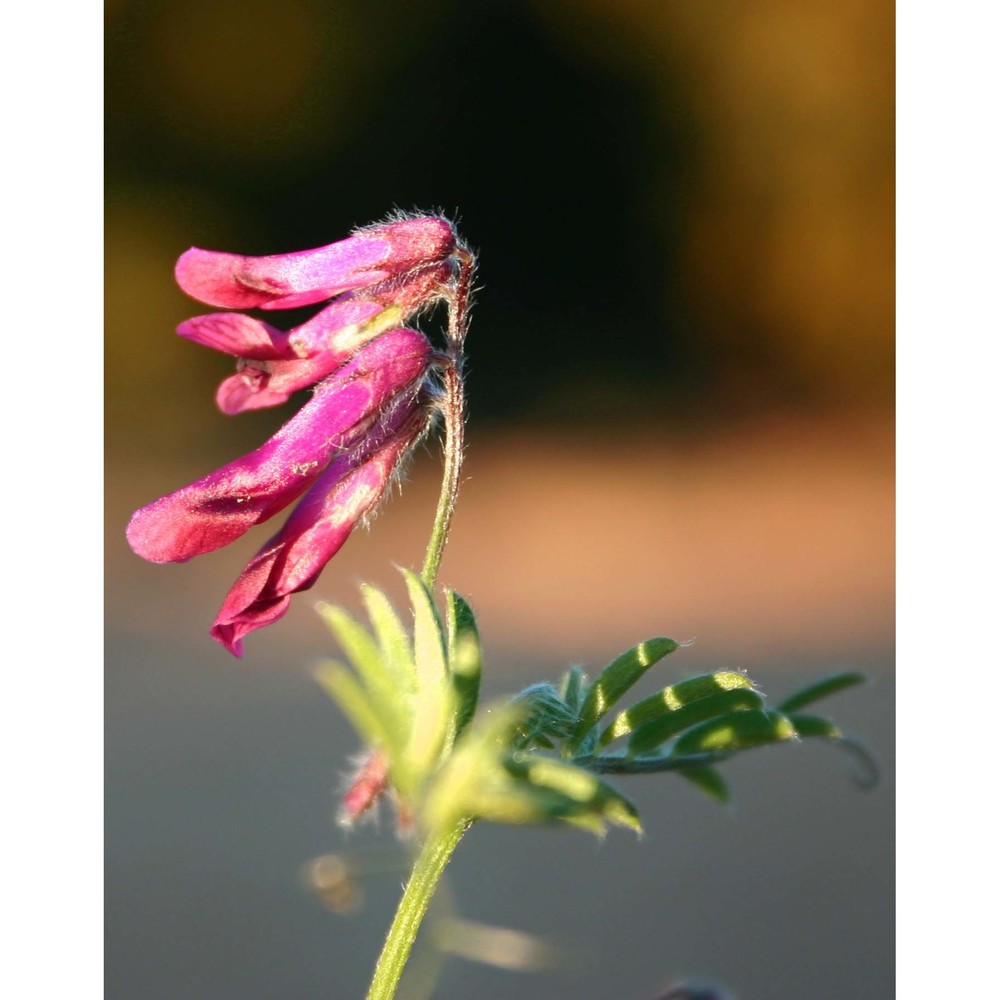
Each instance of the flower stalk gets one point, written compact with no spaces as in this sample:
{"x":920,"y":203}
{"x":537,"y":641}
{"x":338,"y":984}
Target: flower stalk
{"x":452,"y":406}
{"x":427,"y":871}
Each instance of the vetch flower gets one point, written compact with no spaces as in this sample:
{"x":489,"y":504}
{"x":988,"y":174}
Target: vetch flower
{"x":343,"y":446}
{"x":283,"y":281}
{"x":222,"y":506}
{"x":347,"y":491}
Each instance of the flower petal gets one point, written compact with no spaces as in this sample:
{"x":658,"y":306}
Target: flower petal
{"x":248,"y":337}
{"x":270,"y":383}
{"x":282,"y":281}
{"x":317,"y":529}
{"x":238,"y":334}
{"x":337,"y":327}
{"x":222,"y":506}
{"x":248,"y":390}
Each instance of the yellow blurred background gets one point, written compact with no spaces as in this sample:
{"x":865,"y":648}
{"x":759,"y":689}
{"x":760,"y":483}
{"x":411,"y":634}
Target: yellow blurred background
{"x":681,"y":398}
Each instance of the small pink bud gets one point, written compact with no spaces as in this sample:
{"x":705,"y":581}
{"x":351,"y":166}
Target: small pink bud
{"x":367,"y":786}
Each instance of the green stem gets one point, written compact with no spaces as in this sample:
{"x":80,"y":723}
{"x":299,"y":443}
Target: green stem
{"x":453,"y":406}
{"x":618,"y":764}
{"x":427,"y":870}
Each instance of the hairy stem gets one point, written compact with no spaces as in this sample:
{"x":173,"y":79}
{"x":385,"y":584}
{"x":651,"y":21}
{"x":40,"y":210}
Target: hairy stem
{"x":427,"y":870}
{"x":453,"y":407}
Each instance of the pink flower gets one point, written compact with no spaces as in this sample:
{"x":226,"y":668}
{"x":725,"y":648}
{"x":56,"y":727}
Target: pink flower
{"x":282,"y":281}
{"x":340,"y":452}
{"x":349,"y":488}
{"x":340,"y":419}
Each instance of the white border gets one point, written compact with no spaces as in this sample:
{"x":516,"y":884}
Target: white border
{"x":51,"y":738}
{"x":948,"y":174}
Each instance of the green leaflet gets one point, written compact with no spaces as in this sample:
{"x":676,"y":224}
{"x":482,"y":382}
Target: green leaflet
{"x":736,"y":731}
{"x":595,"y":798}
{"x":573,"y":689}
{"x":616,"y":679}
{"x":670,"y":700}
{"x":465,"y":657}
{"x":651,"y":735}
{"x":821,"y":689}
{"x":344,"y":689}
{"x":429,"y":645}
{"x":814,"y":725}
{"x":392,"y":637}
{"x":708,"y":779}
{"x":522,"y":803}
{"x":366,"y":658}
{"x":433,"y":722}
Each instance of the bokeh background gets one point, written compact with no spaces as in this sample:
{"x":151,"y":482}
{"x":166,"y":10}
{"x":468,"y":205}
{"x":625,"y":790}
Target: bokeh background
{"x":681,"y":385}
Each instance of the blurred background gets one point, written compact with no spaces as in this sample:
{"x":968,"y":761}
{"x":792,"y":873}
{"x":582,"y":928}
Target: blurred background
{"x":681,"y":423}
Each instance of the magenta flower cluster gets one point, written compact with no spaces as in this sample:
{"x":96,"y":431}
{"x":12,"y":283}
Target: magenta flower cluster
{"x":373,"y":397}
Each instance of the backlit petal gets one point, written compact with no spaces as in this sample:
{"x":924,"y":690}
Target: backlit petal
{"x":282,"y":281}
{"x":222,"y":506}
